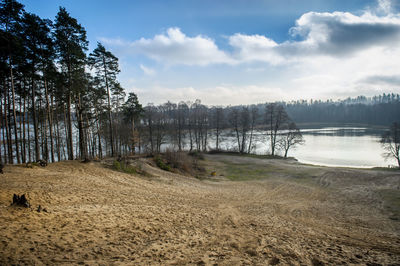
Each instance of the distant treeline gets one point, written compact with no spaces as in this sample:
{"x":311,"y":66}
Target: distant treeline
{"x":378,"y":110}
{"x":191,"y":125}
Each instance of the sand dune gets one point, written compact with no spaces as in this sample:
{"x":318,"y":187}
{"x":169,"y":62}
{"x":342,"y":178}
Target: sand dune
{"x":100,"y":216}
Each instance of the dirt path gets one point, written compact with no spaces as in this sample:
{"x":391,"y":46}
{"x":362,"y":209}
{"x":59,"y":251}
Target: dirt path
{"x":99,"y":216}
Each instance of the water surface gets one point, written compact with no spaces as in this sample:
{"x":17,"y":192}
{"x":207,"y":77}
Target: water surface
{"x":348,"y":147}
{"x":329,"y":146}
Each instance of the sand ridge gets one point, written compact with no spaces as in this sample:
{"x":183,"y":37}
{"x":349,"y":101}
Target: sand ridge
{"x":100,"y":216}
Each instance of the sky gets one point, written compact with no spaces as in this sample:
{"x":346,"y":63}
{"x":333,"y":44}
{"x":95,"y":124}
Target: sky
{"x":230,"y":52}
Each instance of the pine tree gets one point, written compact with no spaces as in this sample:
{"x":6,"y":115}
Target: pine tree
{"x":71,"y":44}
{"x":132,"y":109}
{"x":10,"y":16}
{"x":106,"y":66}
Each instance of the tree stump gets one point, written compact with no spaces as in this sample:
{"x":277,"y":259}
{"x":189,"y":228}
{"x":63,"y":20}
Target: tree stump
{"x":42,"y":163}
{"x":20,"y":201}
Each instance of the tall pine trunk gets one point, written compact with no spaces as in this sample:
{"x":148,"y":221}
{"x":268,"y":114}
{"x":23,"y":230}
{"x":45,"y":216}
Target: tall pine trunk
{"x":49,"y":119}
{"x":21,"y":133}
{"x":70,"y":146}
{"x":29,"y":134}
{"x":109,"y":108}
{"x":24,"y":130}
{"x":2,"y":133}
{"x":7,"y":124}
{"x":14,"y":113}
{"x":35,"y":124}
{"x":82,"y":140}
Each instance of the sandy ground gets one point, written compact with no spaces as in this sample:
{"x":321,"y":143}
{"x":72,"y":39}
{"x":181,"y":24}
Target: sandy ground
{"x":100,"y":216}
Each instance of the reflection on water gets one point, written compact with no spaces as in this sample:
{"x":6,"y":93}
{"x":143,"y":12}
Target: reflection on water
{"x":343,"y":131}
{"x":357,"y":147}
{"x":332,"y":146}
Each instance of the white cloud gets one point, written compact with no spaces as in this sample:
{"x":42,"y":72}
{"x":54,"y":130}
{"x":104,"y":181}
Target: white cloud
{"x":113,"y":42}
{"x":175,"y":47}
{"x":254,"y":48}
{"x":341,"y":33}
{"x":385,"y":6}
{"x":322,"y":34}
{"x":327,"y":34}
{"x":218,"y":95}
{"x":147,"y":70}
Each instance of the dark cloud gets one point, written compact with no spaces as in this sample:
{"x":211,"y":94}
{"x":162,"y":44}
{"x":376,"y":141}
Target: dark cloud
{"x":348,"y":38}
{"x":382,"y":80}
{"x":340,"y":34}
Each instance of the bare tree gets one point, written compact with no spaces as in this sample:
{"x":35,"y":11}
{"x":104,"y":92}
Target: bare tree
{"x":277,"y":119}
{"x":253,"y":120}
{"x":182,"y":113}
{"x":391,"y":142}
{"x":239,"y":119}
{"x":291,"y":138}
{"x":217,"y":123}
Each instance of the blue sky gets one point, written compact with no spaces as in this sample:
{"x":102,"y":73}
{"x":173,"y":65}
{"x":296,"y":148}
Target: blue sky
{"x":242,"y":52}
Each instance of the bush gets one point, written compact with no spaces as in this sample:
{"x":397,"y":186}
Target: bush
{"x":160,"y":163}
{"x":179,"y":160}
{"x":197,"y":155}
{"x":126,"y":168}
{"x":117,"y":166}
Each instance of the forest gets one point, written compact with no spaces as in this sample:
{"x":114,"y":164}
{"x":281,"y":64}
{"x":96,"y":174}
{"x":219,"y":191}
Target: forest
{"x":60,"y":101}
{"x":377,"y":110}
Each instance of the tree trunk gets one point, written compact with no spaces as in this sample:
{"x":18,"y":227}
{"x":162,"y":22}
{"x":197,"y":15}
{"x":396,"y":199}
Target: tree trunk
{"x":49,"y":119}
{"x":35,"y":125}
{"x":14,"y":112}
{"x":45,"y":147}
{"x":99,"y":137}
{"x":29,"y":134}
{"x":2,"y":133}
{"x":70,"y":146}
{"x":251,"y":134}
{"x":7,"y":124}
{"x":82,"y":141}
{"x":237,"y":137}
{"x":109,"y":107}
{"x":133,"y":136}
{"x":66,"y":134}
{"x":21,"y":131}
{"x":57,"y":129}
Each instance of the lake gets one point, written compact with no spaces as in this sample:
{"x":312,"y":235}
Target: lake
{"x":349,"y":147}
{"x":329,"y":146}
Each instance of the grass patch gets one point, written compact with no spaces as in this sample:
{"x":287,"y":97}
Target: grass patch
{"x":243,"y":172}
{"x":251,"y":155}
{"x":389,"y":169}
{"x":161,"y":164}
{"x":127,"y":168}
{"x":240,"y":171}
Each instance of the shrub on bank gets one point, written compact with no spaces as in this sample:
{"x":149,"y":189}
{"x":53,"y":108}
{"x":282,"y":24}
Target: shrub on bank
{"x":179,"y":161}
{"x":126,"y":168}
